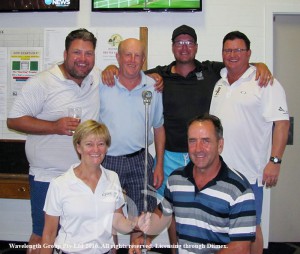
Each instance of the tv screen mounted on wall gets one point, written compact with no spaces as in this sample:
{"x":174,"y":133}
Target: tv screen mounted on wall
{"x":146,"y":5}
{"x":38,"y":5}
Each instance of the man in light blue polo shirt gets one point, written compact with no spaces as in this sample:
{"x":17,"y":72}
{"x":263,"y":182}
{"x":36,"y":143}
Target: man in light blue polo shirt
{"x":123,"y":112}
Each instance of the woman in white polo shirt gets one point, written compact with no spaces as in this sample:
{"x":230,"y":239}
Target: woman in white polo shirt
{"x":87,"y":200}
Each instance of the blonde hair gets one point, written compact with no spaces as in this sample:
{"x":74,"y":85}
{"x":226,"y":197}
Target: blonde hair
{"x":90,"y":127}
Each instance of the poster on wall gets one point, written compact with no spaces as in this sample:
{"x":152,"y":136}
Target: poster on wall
{"x":24,"y":63}
{"x":54,"y":45}
{"x":109,"y":39}
{"x":3,"y":82}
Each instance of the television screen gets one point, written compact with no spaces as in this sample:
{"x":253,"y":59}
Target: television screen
{"x":38,"y":5}
{"x":146,"y":5}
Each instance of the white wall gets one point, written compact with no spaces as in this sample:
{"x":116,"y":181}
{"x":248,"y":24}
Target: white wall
{"x":217,"y":18}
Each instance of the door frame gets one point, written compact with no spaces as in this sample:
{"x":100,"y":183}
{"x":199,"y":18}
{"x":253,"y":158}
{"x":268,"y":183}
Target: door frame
{"x":270,"y":11}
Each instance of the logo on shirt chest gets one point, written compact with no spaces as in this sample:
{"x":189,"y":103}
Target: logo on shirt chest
{"x":216,"y":93}
{"x":199,"y":75}
{"x":110,"y":194}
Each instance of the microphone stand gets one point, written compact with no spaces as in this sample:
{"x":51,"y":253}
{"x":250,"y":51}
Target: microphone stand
{"x":147,"y":96}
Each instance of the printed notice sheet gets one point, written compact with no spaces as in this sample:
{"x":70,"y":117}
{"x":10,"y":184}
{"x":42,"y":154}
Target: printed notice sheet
{"x":24,"y":63}
{"x":109,"y":39}
{"x":3,"y":82}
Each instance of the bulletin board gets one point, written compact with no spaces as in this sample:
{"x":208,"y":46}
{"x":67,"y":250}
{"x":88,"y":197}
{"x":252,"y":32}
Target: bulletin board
{"x":10,"y":40}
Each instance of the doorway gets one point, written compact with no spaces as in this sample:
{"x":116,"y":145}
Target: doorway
{"x":285,"y":205}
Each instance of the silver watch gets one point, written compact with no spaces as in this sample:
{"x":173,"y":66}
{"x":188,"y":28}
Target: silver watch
{"x":275,"y":159}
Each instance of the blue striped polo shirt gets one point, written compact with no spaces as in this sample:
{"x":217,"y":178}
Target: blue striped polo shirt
{"x":208,"y":219}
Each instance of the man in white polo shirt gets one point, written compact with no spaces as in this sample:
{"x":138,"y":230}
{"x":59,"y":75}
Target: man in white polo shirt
{"x":41,"y":111}
{"x":248,"y":113}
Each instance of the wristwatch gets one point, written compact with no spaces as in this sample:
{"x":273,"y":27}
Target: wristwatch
{"x":275,"y":159}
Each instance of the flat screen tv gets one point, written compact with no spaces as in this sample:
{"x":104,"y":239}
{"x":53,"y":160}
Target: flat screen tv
{"x":38,"y":5}
{"x":146,"y":5}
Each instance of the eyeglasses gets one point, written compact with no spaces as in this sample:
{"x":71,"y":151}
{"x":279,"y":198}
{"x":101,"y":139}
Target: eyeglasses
{"x":228,"y":51}
{"x":189,"y":44}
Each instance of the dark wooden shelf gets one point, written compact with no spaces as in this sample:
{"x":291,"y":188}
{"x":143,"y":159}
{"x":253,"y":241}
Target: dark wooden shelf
{"x":15,"y":186}
{"x":14,"y":169}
